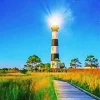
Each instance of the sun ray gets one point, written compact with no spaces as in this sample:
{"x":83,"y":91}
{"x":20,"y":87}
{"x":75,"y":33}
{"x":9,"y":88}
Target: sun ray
{"x":55,"y":19}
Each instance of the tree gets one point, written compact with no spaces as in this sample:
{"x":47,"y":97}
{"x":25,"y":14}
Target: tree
{"x":47,"y":65}
{"x":61,"y":65}
{"x":15,"y":68}
{"x":3,"y":70}
{"x":75,"y":63}
{"x":56,"y":59}
{"x":91,"y":61}
{"x":32,"y":62}
{"x":24,"y":71}
{"x":39,"y":66}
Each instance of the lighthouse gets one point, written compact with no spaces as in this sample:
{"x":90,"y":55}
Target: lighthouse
{"x":54,"y":46}
{"x":55,"y":21}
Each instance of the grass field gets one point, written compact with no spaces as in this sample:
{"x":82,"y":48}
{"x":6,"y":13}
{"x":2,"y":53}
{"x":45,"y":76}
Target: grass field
{"x":39,"y":86}
{"x":27,"y":88}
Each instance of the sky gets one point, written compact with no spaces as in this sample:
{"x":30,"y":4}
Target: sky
{"x":24,"y":30}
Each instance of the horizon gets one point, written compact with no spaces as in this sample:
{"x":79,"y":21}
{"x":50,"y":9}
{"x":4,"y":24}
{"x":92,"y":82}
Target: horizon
{"x":24,"y":30}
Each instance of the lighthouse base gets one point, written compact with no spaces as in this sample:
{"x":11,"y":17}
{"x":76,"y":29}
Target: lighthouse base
{"x":54,"y":64}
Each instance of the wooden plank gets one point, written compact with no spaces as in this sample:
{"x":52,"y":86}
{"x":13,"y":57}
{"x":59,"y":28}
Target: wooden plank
{"x":66,"y":91}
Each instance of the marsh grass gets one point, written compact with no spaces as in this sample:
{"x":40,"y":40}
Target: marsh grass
{"x":39,"y":86}
{"x":27,"y":88}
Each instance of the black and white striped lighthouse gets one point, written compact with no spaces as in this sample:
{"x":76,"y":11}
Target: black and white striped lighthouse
{"x":54,"y":47}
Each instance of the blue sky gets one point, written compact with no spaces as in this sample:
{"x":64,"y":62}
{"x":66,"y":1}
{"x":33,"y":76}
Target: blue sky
{"x":24,"y":30}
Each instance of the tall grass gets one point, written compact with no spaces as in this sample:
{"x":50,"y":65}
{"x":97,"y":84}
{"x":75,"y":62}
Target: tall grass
{"x":88,"y":79}
{"x":39,"y":86}
{"x":26,"y":88}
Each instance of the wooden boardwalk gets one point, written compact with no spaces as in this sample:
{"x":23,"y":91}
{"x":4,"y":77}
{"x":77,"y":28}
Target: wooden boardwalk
{"x":66,"y":91}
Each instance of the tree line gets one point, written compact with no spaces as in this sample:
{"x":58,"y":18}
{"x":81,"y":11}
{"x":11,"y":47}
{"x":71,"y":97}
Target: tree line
{"x":90,"y":61}
{"x":35,"y":63}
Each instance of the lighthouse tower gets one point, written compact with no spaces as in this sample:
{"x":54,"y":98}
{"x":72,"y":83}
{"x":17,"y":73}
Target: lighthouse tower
{"x":54,"y":47}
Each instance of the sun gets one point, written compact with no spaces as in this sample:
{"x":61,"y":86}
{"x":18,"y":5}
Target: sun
{"x":55,"y":19}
